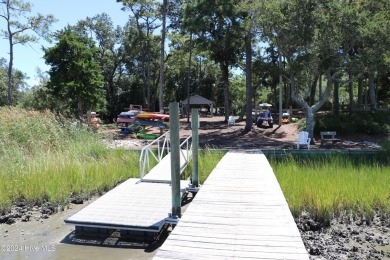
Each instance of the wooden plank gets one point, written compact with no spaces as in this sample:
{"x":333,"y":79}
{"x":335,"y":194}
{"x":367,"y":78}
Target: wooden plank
{"x":230,"y":253}
{"x":240,"y":212}
{"x":231,"y":244}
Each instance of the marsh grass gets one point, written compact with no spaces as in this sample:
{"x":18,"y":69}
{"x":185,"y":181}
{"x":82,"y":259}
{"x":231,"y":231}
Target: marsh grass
{"x":43,"y":158}
{"x":208,"y":159}
{"x":333,"y":186}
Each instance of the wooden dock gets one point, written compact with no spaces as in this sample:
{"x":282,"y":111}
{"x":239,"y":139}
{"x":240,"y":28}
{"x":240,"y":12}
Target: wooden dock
{"x":239,"y":213}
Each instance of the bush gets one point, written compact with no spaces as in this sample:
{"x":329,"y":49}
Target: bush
{"x":377,"y":123}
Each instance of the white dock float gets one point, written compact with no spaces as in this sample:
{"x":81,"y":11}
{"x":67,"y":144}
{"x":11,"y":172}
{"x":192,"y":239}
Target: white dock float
{"x":239,"y":213}
{"x":139,"y":205}
{"x":132,"y":205}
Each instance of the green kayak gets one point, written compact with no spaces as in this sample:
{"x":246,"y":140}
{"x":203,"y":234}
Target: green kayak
{"x":147,"y":136}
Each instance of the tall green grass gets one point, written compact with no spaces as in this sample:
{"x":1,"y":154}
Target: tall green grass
{"x":334,"y":186}
{"x":208,"y":159}
{"x":44,"y":158}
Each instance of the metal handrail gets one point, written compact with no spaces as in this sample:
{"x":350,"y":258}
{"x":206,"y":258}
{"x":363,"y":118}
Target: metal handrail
{"x":163,"y":148}
{"x":163,"y":143}
{"x":185,"y":150}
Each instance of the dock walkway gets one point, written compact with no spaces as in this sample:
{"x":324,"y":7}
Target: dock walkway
{"x":240,"y":212}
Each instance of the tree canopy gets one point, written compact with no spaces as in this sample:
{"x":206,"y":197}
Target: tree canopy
{"x":75,"y":74}
{"x":333,"y":54}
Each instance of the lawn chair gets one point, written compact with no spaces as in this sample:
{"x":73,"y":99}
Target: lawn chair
{"x":231,"y":120}
{"x":303,"y":139}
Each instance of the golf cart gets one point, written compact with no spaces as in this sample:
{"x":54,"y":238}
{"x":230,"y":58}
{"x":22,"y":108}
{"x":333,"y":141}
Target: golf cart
{"x":264,"y":119}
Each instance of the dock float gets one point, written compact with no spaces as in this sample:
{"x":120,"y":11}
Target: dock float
{"x":132,"y":206}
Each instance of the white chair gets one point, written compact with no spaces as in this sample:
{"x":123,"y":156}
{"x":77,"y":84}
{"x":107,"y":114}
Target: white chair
{"x":303,"y":139}
{"x":231,"y":120}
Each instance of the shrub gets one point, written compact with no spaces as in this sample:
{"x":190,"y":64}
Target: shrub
{"x":377,"y":123}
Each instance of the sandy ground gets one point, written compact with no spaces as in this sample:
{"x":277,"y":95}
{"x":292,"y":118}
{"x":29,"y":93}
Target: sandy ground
{"x":213,"y":132}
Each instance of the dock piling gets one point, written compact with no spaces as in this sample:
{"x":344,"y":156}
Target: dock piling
{"x":175,"y":158}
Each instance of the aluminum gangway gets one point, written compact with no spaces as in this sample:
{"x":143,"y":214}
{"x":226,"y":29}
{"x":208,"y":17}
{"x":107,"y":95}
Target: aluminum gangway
{"x":138,"y":204}
{"x":239,"y":213}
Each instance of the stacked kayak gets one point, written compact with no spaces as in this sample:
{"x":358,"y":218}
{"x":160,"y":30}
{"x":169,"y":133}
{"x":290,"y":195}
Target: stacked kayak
{"x":153,"y":119}
{"x":153,"y":116}
{"x":127,"y":117}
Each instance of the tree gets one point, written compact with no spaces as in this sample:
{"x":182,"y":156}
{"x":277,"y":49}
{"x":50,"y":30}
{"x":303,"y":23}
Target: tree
{"x":145,"y":16}
{"x":373,"y":26}
{"x":18,"y":24}
{"x":164,"y":12}
{"x":111,"y":54}
{"x":248,"y":75}
{"x":218,"y":29}
{"x":311,"y":36}
{"x":249,"y":34}
{"x":18,"y":81}
{"x":75,"y":74}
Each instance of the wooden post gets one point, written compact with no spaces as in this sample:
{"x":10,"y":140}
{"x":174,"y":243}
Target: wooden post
{"x":175,"y":158}
{"x":195,"y":146}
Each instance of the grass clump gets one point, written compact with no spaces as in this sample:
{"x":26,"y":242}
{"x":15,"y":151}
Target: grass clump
{"x":331,"y":186}
{"x":44,"y":158}
{"x":208,"y":159}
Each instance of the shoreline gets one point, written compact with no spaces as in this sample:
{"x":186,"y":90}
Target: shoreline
{"x":49,"y":237}
{"x":346,"y":237}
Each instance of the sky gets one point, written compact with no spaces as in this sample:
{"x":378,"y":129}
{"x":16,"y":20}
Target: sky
{"x":27,"y":58}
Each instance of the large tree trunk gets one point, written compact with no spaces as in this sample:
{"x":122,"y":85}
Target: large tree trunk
{"x":373,"y":100}
{"x":11,"y":60}
{"x":148,"y":55}
{"x":225,"y":82}
{"x":310,"y":120}
{"x":142,"y":49}
{"x":248,"y":77}
{"x":336,"y":105}
{"x":9,"y":83}
{"x":310,"y":110}
{"x":313,"y":90}
{"x":360,"y":93}
{"x":162,"y":53}
{"x":320,"y":84}
{"x":350,"y":92}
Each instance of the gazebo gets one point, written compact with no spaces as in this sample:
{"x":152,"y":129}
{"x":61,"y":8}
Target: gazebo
{"x":195,"y":101}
